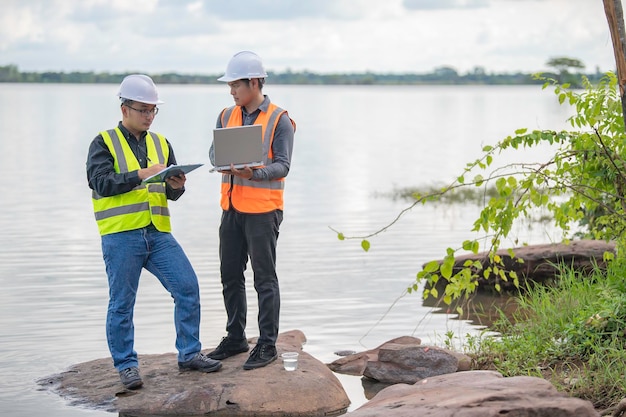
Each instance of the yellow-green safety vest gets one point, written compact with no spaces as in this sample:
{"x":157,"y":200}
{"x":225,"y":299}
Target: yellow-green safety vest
{"x":144,"y":204}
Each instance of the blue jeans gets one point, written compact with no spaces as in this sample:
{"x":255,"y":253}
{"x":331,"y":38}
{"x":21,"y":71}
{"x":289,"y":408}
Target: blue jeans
{"x":125,"y":255}
{"x":255,"y":236}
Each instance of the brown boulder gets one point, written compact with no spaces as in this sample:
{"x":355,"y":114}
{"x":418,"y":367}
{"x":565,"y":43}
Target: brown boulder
{"x":475,"y":394}
{"x":540,"y":262}
{"x":356,"y":363}
{"x":353,"y":364}
{"x":401,"y":360}
{"x":409,"y":364}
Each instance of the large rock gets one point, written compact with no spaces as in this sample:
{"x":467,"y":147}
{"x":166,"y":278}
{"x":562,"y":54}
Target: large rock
{"x":311,"y":390}
{"x":408,"y":364}
{"x":401,"y":360}
{"x":475,"y":394}
{"x":540,"y":262}
{"x":356,"y":363}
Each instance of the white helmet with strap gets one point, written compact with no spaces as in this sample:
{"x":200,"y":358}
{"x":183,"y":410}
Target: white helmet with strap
{"x":244,"y":65}
{"x":139,"y":87}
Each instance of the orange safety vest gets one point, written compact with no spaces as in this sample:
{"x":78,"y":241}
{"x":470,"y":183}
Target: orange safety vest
{"x":254,"y":196}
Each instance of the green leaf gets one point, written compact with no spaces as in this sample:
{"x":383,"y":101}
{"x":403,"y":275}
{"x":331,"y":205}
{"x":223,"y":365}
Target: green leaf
{"x":365,"y":244}
{"x":431,"y":266}
{"x":446,"y":271}
{"x":340,"y":236}
{"x":475,"y":246}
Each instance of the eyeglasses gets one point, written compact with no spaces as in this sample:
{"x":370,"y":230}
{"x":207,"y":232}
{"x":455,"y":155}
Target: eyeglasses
{"x":145,"y":112}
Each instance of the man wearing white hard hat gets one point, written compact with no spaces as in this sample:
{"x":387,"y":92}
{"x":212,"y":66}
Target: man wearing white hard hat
{"x":134,"y":223}
{"x":252,"y":211}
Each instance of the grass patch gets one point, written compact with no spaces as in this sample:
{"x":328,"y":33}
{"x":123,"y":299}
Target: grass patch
{"x":571,"y":333}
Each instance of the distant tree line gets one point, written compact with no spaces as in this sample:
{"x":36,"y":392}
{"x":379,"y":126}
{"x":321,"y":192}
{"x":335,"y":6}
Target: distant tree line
{"x":442,"y":75}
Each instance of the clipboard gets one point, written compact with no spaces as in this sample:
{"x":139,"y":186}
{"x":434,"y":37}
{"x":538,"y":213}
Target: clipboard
{"x":170,"y":171}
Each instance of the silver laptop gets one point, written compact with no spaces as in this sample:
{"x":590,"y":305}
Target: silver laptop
{"x":240,"y":146}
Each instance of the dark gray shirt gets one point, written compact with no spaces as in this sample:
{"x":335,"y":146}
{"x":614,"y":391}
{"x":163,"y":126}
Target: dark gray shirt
{"x":282,"y":146}
{"x":101,"y":174}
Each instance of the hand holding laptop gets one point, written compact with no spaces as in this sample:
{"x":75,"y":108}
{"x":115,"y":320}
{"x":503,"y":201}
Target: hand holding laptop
{"x":245,"y":172}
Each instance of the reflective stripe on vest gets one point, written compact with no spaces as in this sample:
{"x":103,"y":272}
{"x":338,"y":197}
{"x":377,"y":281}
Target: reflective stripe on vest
{"x":253,"y":196}
{"x":144,"y":204}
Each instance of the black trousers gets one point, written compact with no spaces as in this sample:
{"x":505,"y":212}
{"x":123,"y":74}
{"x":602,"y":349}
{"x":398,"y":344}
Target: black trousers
{"x":252,"y":236}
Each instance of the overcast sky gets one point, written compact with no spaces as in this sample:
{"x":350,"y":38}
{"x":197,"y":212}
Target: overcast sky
{"x":200,"y":36}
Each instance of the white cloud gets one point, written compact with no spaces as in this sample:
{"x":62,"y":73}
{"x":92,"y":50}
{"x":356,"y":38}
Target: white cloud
{"x":199,"y":36}
{"x":444,"y":4}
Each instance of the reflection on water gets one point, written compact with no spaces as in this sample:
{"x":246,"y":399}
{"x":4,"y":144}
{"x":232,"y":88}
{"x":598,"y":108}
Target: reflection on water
{"x":371,"y":387}
{"x":54,"y":298}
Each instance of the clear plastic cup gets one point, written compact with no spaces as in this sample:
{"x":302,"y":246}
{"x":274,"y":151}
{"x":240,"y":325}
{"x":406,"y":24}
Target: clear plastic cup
{"x":290,"y":361}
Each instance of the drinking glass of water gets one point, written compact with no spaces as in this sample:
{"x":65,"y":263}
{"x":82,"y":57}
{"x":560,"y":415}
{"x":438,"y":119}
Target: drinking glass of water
{"x":290,"y":361}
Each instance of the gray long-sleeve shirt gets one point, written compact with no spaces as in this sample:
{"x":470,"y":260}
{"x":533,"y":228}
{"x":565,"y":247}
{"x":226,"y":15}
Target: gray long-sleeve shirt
{"x":282,"y":145}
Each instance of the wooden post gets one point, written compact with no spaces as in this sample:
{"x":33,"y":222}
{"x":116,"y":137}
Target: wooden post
{"x":615,"y":17}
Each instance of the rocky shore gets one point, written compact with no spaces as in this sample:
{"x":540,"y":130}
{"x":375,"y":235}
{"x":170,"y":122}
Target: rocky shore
{"x":408,"y":378}
{"x":417,"y":380}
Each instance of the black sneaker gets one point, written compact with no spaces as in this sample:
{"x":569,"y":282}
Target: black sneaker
{"x":260,"y":356}
{"x":130,"y":378}
{"x":200,"y":363}
{"x":228,"y":347}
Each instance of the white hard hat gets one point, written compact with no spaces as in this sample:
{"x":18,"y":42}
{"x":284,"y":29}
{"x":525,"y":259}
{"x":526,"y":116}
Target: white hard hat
{"x":139,"y":87}
{"x":243,"y":65}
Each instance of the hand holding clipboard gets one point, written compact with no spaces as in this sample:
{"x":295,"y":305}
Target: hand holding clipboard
{"x":172,"y":170}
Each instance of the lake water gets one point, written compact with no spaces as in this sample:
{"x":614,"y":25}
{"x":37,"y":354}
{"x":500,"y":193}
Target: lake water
{"x":354,"y":144}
